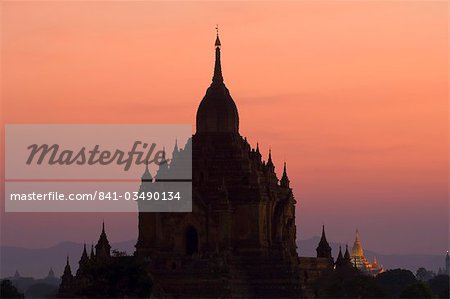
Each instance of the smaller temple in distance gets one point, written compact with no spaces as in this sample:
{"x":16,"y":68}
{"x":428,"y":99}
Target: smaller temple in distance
{"x":105,"y":273}
{"x":361,"y":262}
{"x":446,"y":270}
{"x":72,"y":284}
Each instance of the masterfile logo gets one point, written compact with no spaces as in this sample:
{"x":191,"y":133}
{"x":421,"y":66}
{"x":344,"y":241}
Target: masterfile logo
{"x":52,"y":154}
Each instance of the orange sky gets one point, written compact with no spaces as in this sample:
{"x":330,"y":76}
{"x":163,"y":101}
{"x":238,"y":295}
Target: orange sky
{"x":353,"y":95}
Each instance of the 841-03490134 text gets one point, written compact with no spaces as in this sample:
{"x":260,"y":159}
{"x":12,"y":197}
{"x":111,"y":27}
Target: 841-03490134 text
{"x":99,"y":195}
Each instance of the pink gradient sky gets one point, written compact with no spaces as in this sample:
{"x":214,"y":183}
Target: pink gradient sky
{"x":353,"y":95}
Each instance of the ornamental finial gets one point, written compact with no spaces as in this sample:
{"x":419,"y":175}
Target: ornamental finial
{"x":217,"y":44}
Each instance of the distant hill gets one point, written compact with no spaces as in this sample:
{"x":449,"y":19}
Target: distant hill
{"x":37,"y":262}
{"x":411,"y":262}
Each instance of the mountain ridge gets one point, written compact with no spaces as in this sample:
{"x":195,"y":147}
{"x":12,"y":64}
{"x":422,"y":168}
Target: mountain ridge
{"x":36,"y":262}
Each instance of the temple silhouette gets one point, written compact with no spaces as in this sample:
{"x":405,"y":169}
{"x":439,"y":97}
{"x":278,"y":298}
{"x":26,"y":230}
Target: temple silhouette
{"x":240,"y":238}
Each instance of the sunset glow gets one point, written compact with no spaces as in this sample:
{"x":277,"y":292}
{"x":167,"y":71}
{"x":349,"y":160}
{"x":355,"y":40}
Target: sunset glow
{"x":352,"y":95}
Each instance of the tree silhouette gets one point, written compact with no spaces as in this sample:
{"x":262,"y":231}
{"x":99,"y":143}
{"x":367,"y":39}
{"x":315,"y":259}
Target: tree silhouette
{"x":395,"y":281}
{"x":417,"y":290}
{"x":7,"y":290}
{"x":116,"y":278}
{"x":347,"y":283}
{"x":440,"y":285}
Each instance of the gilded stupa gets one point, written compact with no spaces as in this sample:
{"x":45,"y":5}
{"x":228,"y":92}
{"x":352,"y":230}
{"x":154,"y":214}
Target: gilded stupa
{"x":360,"y":261}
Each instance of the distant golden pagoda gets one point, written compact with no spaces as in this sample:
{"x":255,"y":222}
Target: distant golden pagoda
{"x":359,"y":260}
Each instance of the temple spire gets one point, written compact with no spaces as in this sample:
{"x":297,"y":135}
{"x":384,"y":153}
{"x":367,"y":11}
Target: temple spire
{"x":66,"y":279}
{"x":357,"y":249}
{"x":270,"y":165}
{"x":102,"y":249}
{"x":217,"y":78}
{"x":84,"y":250}
{"x":340,"y":259}
{"x":217,"y":112}
{"x":67,"y":269}
{"x":84,"y":260}
{"x":347,"y":253}
{"x":217,"y":44}
{"x":324,"y":249}
{"x":175,"y":148}
{"x":348,"y":259}
{"x":146,"y":176}
{"x":92,"y":255}
{"x":284,"y":182}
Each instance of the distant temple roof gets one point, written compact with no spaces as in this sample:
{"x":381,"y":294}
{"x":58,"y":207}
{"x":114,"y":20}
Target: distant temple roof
{"x":51,"y":274}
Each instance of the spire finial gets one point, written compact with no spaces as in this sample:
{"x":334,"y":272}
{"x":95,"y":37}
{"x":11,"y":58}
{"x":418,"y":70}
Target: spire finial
{"x":103,"y":227}
{"x":217,"y":78}
{"x":217,"y":44}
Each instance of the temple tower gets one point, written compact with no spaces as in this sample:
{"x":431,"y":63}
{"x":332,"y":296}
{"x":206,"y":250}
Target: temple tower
{"x":324,"y":249}
{"x":102,"y":249}
{"x":65,"y":289}
{"x":242,"y":226}
{"x":217,"y":112}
